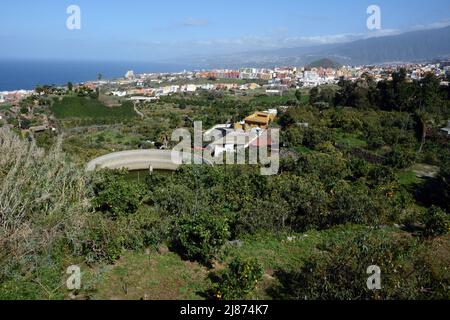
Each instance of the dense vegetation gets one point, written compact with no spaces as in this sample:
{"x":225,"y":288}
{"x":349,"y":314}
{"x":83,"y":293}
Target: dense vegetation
{"x":88,"y":108}
{"x":347,"y":197}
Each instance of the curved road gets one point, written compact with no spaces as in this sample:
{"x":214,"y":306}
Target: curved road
{"x":140,"y":114}
{"x":141,"y":160}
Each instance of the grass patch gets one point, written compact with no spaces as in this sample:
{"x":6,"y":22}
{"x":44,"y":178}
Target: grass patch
{"x":408,"y":178}
{"x":115,"y":136}
{"x":153,"y":277}
{"x":5,"y":107}
{"x":166,"y":276}
{"x":350,"y":140}
{"x":86,"y":108}
{"x":276,"y":252}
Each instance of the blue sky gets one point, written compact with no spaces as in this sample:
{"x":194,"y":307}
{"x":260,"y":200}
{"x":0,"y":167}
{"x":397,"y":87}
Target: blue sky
{"x":147,"y":30}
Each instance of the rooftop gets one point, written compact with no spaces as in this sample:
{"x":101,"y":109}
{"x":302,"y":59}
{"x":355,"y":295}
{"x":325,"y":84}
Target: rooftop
{"x":237,"y":137}
{"x":259,"y":117}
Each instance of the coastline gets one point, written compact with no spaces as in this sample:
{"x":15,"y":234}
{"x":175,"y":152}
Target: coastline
{"x":16,"y":74}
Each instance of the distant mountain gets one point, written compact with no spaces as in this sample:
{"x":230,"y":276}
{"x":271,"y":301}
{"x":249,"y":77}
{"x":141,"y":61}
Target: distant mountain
{"x":324,"y":63}
{"x":407,"y":47}
{"x":413,"y":46}
{"x":263,"y":58}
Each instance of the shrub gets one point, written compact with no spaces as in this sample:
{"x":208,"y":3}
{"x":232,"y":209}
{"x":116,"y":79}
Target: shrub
{"x":292,"y":137}
{"x":174,"y":199}
{"x":359,"y":168}
{"x":351,"y":203}
{"x":115,"y":195}
{"x":339,"y":270}
{"x":401,"y":157}
{"x":239,"y":280}
{"x":43,"y":200}
{"x":30,"y":286}
{"x":316,"y":136}
{"x":102,"y":241}
{"x":436,"y":222}
{"x":199,"y":236}
{"x":146,"y":228}
{"x":327,"y":166}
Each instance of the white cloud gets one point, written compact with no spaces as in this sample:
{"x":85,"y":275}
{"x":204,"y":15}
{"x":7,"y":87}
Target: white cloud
{"x":434,"y":25}
{"x":278,"y":38}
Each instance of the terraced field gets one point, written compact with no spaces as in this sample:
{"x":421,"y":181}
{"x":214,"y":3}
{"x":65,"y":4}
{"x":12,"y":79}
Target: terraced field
{"x":86,"y":108}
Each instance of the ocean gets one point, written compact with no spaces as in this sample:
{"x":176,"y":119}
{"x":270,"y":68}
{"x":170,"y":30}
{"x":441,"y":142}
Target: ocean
{"x":27,"y":74}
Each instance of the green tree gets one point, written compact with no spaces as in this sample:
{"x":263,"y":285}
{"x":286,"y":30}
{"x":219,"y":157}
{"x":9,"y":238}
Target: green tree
{"x":199,"y":236}
{"x":286,"y":119}
{"x":298,"y":95}
{"x":292,"y":137}
{"x":239,"y":280}
{"x":314,"y":95}
{"x":114,"y":195}
{"x":401,"y":157}
{"x":327,"y":95}
{"x":436,"y":221}
{"x":339,"y":270}
{"x":101,"y":241}
{"x":431,"y":99}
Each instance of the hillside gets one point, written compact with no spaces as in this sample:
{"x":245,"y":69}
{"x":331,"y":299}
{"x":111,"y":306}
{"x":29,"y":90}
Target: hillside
{"x":411,"y":46}
{"x":324,"y":63}
{"x":405,"y":47}
{"x":86,"y":108}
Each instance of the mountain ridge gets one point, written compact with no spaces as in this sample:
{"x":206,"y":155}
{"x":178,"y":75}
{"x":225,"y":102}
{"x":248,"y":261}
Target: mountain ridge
{"x":413,"y":46}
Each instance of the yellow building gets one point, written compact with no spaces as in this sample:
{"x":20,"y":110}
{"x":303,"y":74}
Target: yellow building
{"x":257,"y":120}
{"x":253,"y":86}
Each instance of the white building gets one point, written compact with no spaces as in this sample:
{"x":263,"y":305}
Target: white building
{"x":119,"y":93}
{"x":311,"y":79}
{"x":234,"y":140}
{"x":174,"y":89}
{"x":191,"y":88}
{"x":208,"y":86}
{"x":248,"y":73}
{"x":217,"y":128}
